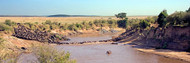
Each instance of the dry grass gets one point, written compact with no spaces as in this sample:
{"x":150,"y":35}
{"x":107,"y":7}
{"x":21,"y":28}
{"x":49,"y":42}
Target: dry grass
{"x":61,"y":19}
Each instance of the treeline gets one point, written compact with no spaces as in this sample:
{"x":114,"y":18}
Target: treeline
{"x":178,"y":18}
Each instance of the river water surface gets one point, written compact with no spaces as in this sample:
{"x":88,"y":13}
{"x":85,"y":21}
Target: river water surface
{"x":96,"y":53}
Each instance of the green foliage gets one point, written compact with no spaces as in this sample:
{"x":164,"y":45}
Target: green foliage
{"x":179,"y":19}
{"x":48,"y":54}
{"x":151,"y":19}
{"x":144,"y":24}
{"x":36,"y":22}
{"x":121,"y":15}
{"x":162,"y":18}
{"x":48,"y":22}
{"x":9,"y":23}
{"x":187,"y":18}
{"x":79,"y":26}
{"x":72,"y":27}
{"x":123,"y":23}
{"x":176,"y":18}
{"x":4,"y":27}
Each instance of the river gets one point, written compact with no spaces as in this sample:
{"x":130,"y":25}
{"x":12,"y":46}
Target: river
{"x":96,"y":53}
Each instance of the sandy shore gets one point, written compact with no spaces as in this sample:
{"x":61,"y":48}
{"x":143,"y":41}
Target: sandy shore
{"x":178,"y":55}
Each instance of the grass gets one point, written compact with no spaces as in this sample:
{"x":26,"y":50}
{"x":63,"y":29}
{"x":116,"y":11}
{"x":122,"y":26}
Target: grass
{"x":7,"y":55}
{"x":68,"y":20}
{"x":48,"y":54}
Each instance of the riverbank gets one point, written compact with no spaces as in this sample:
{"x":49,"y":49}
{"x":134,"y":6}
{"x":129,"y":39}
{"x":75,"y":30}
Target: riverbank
{"x":173,"y":54}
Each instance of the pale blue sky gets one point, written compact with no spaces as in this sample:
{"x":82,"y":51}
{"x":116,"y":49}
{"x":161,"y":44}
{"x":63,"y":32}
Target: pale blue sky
{"x":91,"y":7}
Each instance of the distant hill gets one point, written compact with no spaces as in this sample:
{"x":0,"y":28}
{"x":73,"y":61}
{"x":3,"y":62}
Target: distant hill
{"x":57,"y":15}
{"x":63,"y":15}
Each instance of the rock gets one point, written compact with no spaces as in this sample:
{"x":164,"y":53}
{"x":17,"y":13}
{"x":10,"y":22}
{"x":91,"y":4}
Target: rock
{"x":108,"y":52}
{"x":115,"y":43}
{"x":23,"y":48}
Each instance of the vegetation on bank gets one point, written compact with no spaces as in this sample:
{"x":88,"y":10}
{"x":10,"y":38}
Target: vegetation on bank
{"x":7,"y":55}
{"x":164,"y":31}
{"x":48,"y":54}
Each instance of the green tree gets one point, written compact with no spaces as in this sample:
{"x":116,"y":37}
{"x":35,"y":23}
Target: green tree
{"x":162,"y":18}
{"x":123,"y":23}
{"x":121,"y":15}
{"x":144,"y":24}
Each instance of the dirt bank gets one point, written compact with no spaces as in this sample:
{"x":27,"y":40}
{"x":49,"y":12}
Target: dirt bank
{"x":171,"y":42}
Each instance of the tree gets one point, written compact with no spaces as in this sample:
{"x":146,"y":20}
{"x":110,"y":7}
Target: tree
{"x":123,"y":23}
{"x":144,"y":24}
{"x":162,"y":18}
{"x":121,"y":15}
{"x":188,"y":10}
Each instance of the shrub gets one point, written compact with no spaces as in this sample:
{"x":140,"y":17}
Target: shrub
{"x":176,"y":18}
{"x":48,"y":22}
{"x":151,"y":19}
{"x":79,"y":26}
{"x":187,"y":18}
{"x":36,"y":22}
{"x":144,"y":24}
{"x":123,"y":23}
{"x":179,"y":18}
{"x":47,"y":54}
{"x":72,"y":27}
{"x":8,"y":22}
{"x":162,"y":18}
{"x":4,"y":27}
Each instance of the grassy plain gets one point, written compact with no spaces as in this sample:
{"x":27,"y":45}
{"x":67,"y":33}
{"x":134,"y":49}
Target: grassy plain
{"x":68,"y":20}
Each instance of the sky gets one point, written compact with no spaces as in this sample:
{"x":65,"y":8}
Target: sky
{"x":91,"y":7}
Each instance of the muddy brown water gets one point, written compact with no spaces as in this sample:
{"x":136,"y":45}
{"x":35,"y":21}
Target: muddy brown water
{"x":96,"y":53}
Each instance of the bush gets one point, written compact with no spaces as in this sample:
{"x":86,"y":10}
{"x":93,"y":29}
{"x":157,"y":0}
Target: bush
{"x":176,"y":18}
{"x":162,"y":18}
{"x":47,"y":54}
{"x":8,"y":22}
{"x":79,"y":26}
{"x":179,"y":19}
{"x":123,"y":23}
{"x":4,"y":27}
{"x":72,"y":27}
{"x":187,"y":18}
{"x":48,"y":22}
{"x":151,"y":19}
{"x":144,"y":24}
